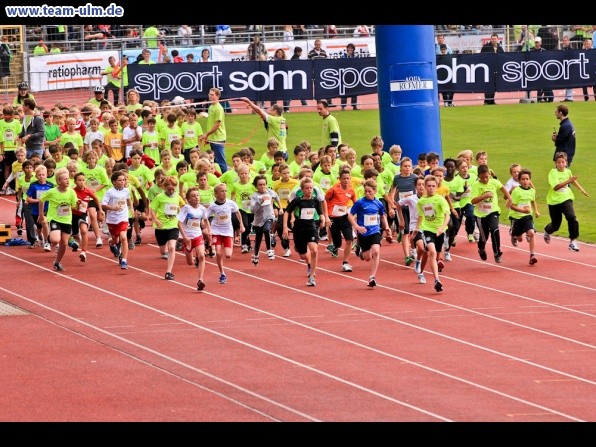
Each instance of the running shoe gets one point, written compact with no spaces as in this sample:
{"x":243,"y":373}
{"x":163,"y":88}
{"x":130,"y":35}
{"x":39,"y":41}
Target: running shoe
{"x":138,"y":240}
{"x":270,"y":254}
{"x":311,"y":281}
{"x":335,"y":253}
{"x":421,"y":278}
{"x":409,"y":260}
{"x":200,"y":285}
{"x":255,"y":260}
{"x":498,"y":257}
{"x":123,"y":265}
{"x":179,"y":245}
{"x":169,"y":276}
{"x":514,"y":241}
{"x":448,"y":256}
{"x":98,"y":242}
{"x":83,"y":256}
{"x":346,"y":267}
{"x":471,"y":238}
{"x":573,"y":246}
{"x":165,"y":255}
{"x":287,"y":253}
{"x":440,"y":265}
{"x":131,"y":244}
{"x":47,"y":247}
{"x":372,"y":282}
{"x":74,"y":245}
{"x":58,"y":267}
{"x":330,"y":248}
{"x":482,"y":254}
{"x":244,"y":249}
{"x":438,"y":286}
{"x":533,"y":259}
{"x":546,"y":237}
{"x":222,"y":278}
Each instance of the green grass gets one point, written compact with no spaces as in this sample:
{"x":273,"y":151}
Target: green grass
{"x":509,"y":133}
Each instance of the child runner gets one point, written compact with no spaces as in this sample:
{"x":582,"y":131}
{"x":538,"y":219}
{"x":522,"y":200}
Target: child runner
{"x":164,"y":214}
{"x":61,"y":199}
{"x":523,"y":199}
{"x":117,"y":203}
{"x":465,"y":202}
{"x":486,"y":200}
{"x":34,"y":192}
{"x":23,"y":183}
{"x":265,"y":214}
{"x":222,"y":231}
{"x":560,"y":200}
{"x":433,"y":212}
{"x":368,"y":218}
{"x":416,"y":238}
{"x":192,"y":224}
{"x":306,"y":209}
{"x":96,"y":179}
{"x":80,"y":223}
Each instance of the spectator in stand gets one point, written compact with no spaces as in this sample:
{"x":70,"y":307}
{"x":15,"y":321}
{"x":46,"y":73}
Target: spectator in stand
{"x":441,"y":41}
{"x":256,"y":50}
{"x":280,"y":55}
{"x":185,"y":34}
{"x":176,"y":58}
{"x":587,"y":45}
{"x":330,"y":31}
{"x":41,"y":49}
{"x":350,"y":53}
{"x":297,"y":55}
{"x":150,"y":36}
{"x":146,"y":54}
{"x":566,"y":45}
{"x":542,"y":95}
{"x":299,"y":31}
{"x":319,"y":53}
{"x":549,"y":36}
{"x":491,"y":47}
{"x":92,"y":38}
{"x":361,"y":31}
{"x":525,"y":40}
{"x":288,"y":33}
{"x":221,"y":32}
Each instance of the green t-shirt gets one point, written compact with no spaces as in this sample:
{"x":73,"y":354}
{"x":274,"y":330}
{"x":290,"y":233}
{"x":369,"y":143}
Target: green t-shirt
{"x":166,"y":208}
{"x":277,"y":128}
{"x":465,"y":197}
{"x":150,"y":142}
{"x":143,"y":173}
{"x":9,"y":132}
{"x":216,"y":113}
{"x":242,"y":193}
{"x":431,"y":212}
{"x":522,"y":197}
{"x":52,"y":132}
{"x":326,"y":181}
{"x":96,"y":178}
{"x":23,"y":184}
{"x":330,"y":125}
{"x":60,"y":204}
{"x":556,"y":177}
{"x":168,"y":134}
{"x":150,"y":36}
{"x":191,"y":134}
{"x":74,"y":138}
{"x":206,"y":196}
{"x":456,"y":187}
{"x":488,"y":205}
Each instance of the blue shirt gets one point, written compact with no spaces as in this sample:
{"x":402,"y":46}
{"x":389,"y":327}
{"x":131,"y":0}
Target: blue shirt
{"x":35,"y":190}
{"x":368,"y":215}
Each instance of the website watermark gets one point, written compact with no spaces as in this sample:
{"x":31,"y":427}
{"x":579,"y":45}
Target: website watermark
{"x":87,"y":10}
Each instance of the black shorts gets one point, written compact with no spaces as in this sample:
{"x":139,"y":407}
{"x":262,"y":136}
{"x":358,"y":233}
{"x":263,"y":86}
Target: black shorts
{"x":406,"y":212}
{"x":64,"y":228}
{"x":77,"y":220}
{"x":141,"y":206}
{"x":9,"y":158}
{"x":366,"y":242}
{"x":416,"y":236}
{"x":304,"y":235}
{"x":430,"y":237}
{"x":163,"y":236}
{"x":342,"y":224}
{"x":92,"y":204}
{"x":521,"y":226}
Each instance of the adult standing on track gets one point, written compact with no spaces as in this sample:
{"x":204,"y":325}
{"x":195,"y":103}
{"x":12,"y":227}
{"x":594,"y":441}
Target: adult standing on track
{"x":565,"y":138}
{"x":216,"y":135}
{"x":331,"y":132}
{"x":33,"y":132}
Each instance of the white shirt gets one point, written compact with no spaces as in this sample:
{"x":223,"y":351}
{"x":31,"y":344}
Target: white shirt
{"x":113,"y":197}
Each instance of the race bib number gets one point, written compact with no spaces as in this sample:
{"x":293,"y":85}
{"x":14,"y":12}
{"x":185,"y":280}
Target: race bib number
{"x":307,"y":213}
{"x":93,"y":183}
{"x":115,"y":142}
{"x":190,"y":133}
{"x":38,"y":193}
{"x":485,"y":207}
{"x":325,"y":183}
{"x":121,"y":203}
{"x":63,"y":210}
{"x":284,"y":193}
{"x":170,"y":209}
{"x":222,"y":219}
{"x":8,"y":135}
{"x":83,"y":205}
{"x":265,"y":201}
{"x":428,"y":211}
{"x":340,"y":210}
{"x":195,"y":223}
{"x":371,"y":219}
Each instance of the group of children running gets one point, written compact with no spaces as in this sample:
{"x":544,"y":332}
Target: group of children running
{"x":318,"y":195}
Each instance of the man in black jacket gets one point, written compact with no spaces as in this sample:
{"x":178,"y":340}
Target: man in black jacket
{"x":491,"y":47}
{"x":33,"y":133}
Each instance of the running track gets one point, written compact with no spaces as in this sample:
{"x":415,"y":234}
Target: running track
{"x":504,"y":342}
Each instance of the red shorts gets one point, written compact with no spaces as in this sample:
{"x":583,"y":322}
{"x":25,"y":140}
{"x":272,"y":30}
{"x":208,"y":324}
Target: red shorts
{"x":225,"y":241}
{"x":195,"y":242}
{"x":116,"y":229}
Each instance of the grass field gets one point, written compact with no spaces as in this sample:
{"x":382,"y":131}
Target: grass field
{"x":515,"y":133}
